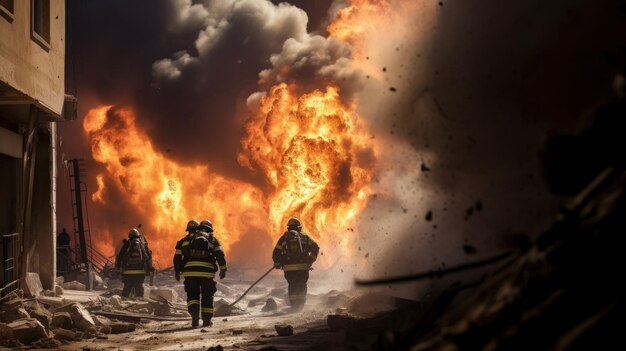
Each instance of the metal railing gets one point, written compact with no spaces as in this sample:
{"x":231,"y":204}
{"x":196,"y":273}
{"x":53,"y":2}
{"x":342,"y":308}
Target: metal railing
{"x":10,"y":264}
{"x":71,"y":256}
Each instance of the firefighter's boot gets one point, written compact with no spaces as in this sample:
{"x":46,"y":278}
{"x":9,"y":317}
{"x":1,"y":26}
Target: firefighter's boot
{"x":195,"y":319}
{"x":207,"y":322}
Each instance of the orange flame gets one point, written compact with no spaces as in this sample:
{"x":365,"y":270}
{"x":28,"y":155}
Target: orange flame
{"x":311,"y":148}
{"x":354,"y":22}
{"x":365,"y":25}
{"x":98,"y":196}
{"x":167,"y":193}
{"x":317,"y":157}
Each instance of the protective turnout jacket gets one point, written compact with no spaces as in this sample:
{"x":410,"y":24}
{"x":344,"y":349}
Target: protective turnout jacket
{"x":201,"y":256}
{"x":295,"y":251}
{"x":134,"y":258}
{"x":178,"y":253}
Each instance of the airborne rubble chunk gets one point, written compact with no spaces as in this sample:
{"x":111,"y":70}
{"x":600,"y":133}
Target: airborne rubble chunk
{"x":429,"y":216}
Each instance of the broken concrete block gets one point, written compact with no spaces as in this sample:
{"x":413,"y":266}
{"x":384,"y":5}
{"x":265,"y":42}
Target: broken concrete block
{"x":32,"y":284}
{"x":162,"y":309}
{"x":49,"y":293}
{"x":121,"y":327}
{"x":283,"y":329}
{"x":51,"y":301}
{"x":105,"y":329}
{"x":221,"y":308}
{"x":80,"y":316}
{"x":43,"y":316}
{"x":101,"y":320}
{"x":58,"y":290}
{"x":74,"y":285}
{"x":225,"y":289}
{"x":28,"y":330}
{"x":69,"y":335}
{"x":14,"y":314}
{"x":5,"y":331}
{"x":116,"y":301}
{"x":62,"y":320}
{"x":270,"y":305}
{"x":164,"y":293}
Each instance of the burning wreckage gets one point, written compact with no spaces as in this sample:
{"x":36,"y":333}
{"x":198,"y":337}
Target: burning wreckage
{"x":557,"y":291}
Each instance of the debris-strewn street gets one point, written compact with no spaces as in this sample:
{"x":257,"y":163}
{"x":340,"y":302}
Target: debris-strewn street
{"x":101,"y":319}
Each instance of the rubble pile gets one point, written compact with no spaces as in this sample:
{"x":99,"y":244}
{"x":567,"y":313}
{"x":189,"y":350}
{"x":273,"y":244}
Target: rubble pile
{"x":68,"y":313}
{"x":49,"y":320}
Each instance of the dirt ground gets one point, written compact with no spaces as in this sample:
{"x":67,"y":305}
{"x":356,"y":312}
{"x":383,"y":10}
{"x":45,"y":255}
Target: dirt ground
{"x":248,"y":328}
{"x":257,"y":331}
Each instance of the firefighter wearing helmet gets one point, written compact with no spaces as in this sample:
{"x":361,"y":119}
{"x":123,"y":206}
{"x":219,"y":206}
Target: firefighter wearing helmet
{"x":134,"y":261}
{"x":192,"y":228}
{"x":202,"y":255}
{"x":294,"y":253}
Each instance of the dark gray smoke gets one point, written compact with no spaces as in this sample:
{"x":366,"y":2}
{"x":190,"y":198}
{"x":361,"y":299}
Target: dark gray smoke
{"x":474,"y":96}
{"x":468,"y":120}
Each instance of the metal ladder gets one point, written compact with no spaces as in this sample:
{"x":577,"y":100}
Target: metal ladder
{"x":83,"y":251}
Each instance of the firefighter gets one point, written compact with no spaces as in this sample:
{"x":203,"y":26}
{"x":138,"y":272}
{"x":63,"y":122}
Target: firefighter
{"x":200,"y":262}
{"x":294,"y":253}
{"x":133,"y":262}
{"x":192,"y":228}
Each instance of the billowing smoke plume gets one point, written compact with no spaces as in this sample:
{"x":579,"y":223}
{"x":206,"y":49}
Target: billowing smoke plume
{"x":294,"y":54}
{"x":456,"y":96}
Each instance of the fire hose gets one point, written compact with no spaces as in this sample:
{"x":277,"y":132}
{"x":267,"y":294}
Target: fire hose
{"x":251,"y":286}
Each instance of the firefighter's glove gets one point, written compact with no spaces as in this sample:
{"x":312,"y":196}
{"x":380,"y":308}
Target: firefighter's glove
{"x":277,"y":265}
{"x":222,"y":274}
{"x":177,"y":276}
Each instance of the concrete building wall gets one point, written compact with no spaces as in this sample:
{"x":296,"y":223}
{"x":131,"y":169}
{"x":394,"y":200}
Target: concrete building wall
{"x":40,"y":245}
{"x":28,"y":66}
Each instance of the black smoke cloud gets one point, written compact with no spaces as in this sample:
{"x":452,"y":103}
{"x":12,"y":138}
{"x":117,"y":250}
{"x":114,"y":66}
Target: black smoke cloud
{"x":186,"y":67}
